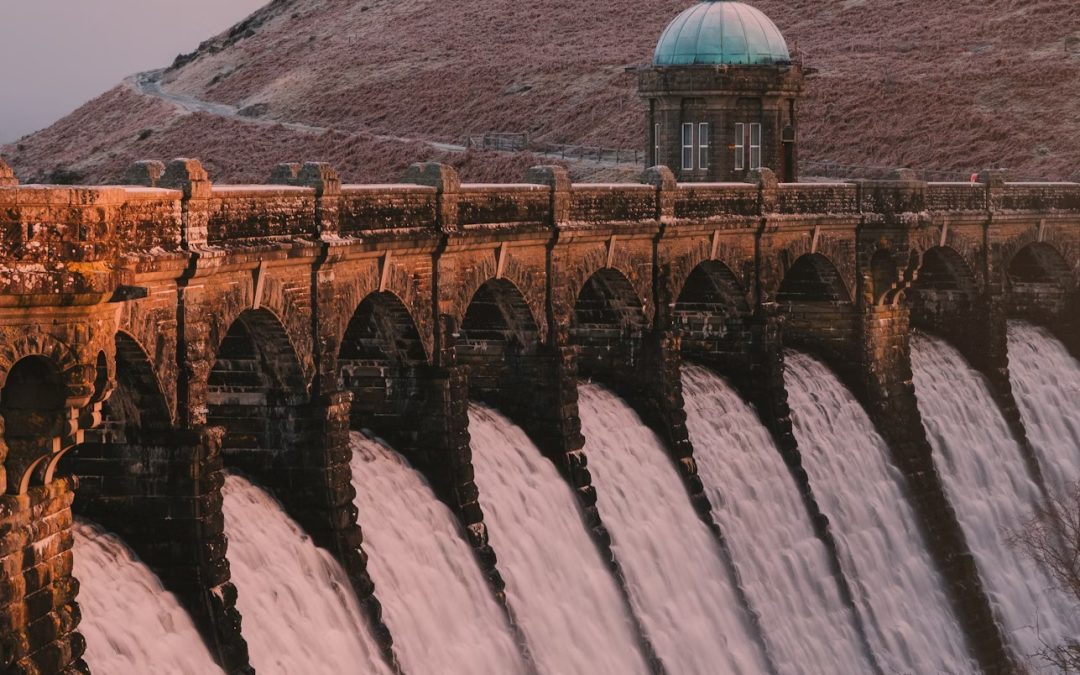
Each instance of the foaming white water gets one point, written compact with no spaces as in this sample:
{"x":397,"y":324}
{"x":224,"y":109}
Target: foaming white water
{"x":132,"y":625}
{"x":569,"y":607}
{"x":1046,"y":383}
{"x":989,"y":485}
{"x":783,"y":565}
{"x":897,"y":588}
{"x":679,"y":583}
{"x":436,"y":601}
{"x":299,"y":610}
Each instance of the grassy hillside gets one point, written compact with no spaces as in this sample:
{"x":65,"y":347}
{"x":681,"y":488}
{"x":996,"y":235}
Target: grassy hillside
{"x":938,"y":86}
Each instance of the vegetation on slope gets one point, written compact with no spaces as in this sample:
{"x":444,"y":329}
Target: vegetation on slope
{"x":947,"y":86}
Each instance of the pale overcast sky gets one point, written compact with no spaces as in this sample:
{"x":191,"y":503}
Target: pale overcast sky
{"x":57,"y":54}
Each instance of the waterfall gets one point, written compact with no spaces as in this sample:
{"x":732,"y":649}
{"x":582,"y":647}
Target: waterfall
{"x":989,"y":485}
{"x":783,"y":565}
{"x":299,"y":611}
{"x":132,"y":625}
{"x":897,"y":588}
{"x":1046,"y":383}
{"x":679,"y":582}
{"x":569,"y":607}
{"x":435,"y":598}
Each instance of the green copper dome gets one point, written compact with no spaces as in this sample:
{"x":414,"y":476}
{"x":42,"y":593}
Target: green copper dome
{"x":721,"y":32}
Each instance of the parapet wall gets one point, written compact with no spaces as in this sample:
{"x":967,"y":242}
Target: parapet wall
{"x":48,"y":224}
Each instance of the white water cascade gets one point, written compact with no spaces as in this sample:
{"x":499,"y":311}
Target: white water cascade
{"x":1046,"y":382}
{"x":567,"y":603}
{"x":989,"y":485}
{"x":132,"y":625}
{"x":436,"y":601}
{"x":783,"y":565}
{"x":300,"y":613}
{"x":679,"y":583}
{"x":897,"y":588}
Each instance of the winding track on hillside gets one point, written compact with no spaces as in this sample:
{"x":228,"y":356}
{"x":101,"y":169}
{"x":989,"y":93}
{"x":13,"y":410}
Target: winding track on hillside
{"x":149,"y":84}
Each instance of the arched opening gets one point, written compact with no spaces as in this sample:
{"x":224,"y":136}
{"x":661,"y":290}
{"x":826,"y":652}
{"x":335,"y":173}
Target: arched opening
{"x":378,"y":361}
{"x":253,"y":392}
{"x":114,"y":448}
{"x":32,"y":403}
{"x":1039,"y":263}
{"x":943,"y":269}
{"x":817,"y":307}
{"x":943,"y":293}
{"x":1039,"y":283}
{"x":498,"y":340}
{"x":710,"y":315}
{"x":813,"y":278}
{"x":608,"y":324}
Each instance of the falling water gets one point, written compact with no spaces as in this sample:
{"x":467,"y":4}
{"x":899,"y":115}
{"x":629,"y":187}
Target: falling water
{"x":300,"y":613}
{"x":132,"y":625}
{"x":783,"y":565}
{"x":989,"y":485}
{"x":1046,"y":382}
{"x":679,"y":582}
{"x":568,"y":604}
{"x":435,"y":599}
{"x":897,"y":588}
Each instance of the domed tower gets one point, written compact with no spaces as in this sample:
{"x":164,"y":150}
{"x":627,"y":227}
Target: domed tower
{"x":722,"y":94}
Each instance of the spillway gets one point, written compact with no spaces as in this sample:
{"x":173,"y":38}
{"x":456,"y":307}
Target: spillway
{"x":679,"y":582}
{"x":898,"y":590}
{"x":568,"y":605}
{"x":435,"y":599}
{"x":1046,"y":382}
{"x":132,"y":625}
{"x":989,"y":485}
{"x":783,"y":565}
{"x":299,"y":611}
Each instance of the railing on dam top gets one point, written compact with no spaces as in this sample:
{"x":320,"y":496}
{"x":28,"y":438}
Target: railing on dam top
{"x":48,"y":224}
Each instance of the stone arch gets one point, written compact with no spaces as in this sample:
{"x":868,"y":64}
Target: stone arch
{"x":609,"y":322}
{"x":1039,"y":262}
{"x":498,"y":339}
{"x":1040,"y":283}
{"x":139,"y":398}
{"x":254,"y":391}
{"x":78,"y":378}
{"x":942,"y":268}
{"x":582,"y":270}
{"x":135,"y":403}
{"x":527,"y":283}
{"x":380,"y":354}
{"x":711,"y":313}
{"x":813,"y":278}
{"x":712,"y":316}
{"x":818,"y":311}
{"x":944,"y":295}
{"x":35,"y":416}
{"x":287,"y":324}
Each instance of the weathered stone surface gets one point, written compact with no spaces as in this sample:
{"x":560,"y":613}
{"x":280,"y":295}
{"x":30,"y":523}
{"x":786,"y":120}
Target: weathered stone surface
{"x":147,"y":316}
{"x":7,"y":176}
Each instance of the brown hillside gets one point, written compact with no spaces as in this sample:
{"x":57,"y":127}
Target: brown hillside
{"x":922,"y":83}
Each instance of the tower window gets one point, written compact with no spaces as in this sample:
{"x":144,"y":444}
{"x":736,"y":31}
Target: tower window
{"x":740,"y":146}
{"x":703,"y":145}
{"x":755,"y":146}
{"x":656,"y":145}
{"x":687,"y":146}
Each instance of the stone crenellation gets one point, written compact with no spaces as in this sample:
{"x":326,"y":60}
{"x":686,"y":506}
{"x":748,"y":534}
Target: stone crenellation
{"x":154,"y":334}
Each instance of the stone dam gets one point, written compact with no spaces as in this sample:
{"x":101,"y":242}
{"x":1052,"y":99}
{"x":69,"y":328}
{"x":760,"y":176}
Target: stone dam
{"x":749,"y":418}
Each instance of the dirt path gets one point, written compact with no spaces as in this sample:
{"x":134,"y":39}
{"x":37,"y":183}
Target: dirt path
{"x":149,"y":84}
